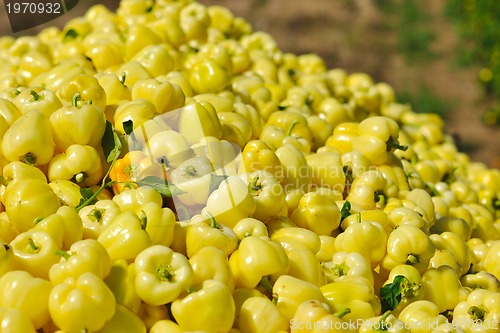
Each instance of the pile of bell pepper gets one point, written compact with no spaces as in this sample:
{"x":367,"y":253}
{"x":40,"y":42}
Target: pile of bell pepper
{"x":165,"y":168}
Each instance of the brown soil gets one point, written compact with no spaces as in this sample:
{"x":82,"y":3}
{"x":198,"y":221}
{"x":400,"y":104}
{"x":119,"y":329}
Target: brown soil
{"x":355,"y":36}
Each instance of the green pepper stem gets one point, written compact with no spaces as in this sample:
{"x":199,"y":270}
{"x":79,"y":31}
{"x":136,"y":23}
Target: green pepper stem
{"x":255,"y":187}
{"x":28,"y":158}
{"x":80,"y":177}
{"x":123,"y":76}
{"x":213,"y":222}
{"x":477,"y":312}
{"x":144,"y":219}
{"x":382,"y":326}
{"x":164,"y":272}
{"x":341,"y":313}
{"x":264,"y":282}
{"x":36,"y":96}
{"x":74,"y":100}
{"x":290,"y":128}
{"x":63,"y":254}
{"x":95,"y":215}
{"x":33,"y":248}
{"x":393,"y":144}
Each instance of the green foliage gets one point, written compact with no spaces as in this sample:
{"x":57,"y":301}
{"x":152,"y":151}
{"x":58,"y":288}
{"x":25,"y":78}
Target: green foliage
{"x":478,"y":25}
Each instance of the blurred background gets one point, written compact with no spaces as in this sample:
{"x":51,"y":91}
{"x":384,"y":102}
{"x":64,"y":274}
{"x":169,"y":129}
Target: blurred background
{"x":440,"y":56}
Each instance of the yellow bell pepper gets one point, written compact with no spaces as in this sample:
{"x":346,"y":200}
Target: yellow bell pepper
{"x":85,"y":89}
{"x":326,"y":170}
{"x":168,"y":147}
{"x":371,"y":190}
{"x":121,"y":281}
{"x":97,"y":217}
{"x":64,"y":226}
{"x":250,"y":226}
{"x":408,"y":245}
{"x":402,"y":287}
{"x":138,"y":110}
{"x":199,"y":119}
{"x":13,"y":320}
{"x":209,"y":307}
{"x":165,"y":96}
{"x":41,"y":99}
{"x":295,"y":169}
{"x":448,"y":241}
{"x":255,"y":258}
{"x":435,"y":280}
{"x":317,"y":212}
{"x":304,"y":265}
{"x":292,"y":237}
{"x":260,"y":315}
{"x":80,"y":163}
{"x":258,"y":155}
{"x":316,"y":317}
{"x":68,"y":192}
{"x":86,"y":255}
{"x":33,"y":251}
{"x":291,"y":292}
{"x":481,"y":279}
{"x":207,"y":231}
{"x":81,"y":304}
{"x":479,"y":312}
{"x":161,"y":274}
{"x":84,"y":125}
{"x":211,"y":263}
{"x":358,"y":296}
{"x":207,"y":76}
{"x":124,"y":320}
{"x":125,"y":237}
{"x":422,"y":316}
{"x":345,"y":265}
{"x":267,"y":192}
{"x":21,"y":290}
{"x":235,"y":128}
{"x":29,"y":139}
{"x":230,"y":202}
{"x":367,"y":238}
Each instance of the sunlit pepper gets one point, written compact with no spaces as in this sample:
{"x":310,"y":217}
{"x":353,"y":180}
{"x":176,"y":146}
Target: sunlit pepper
{"x":479,"y":312}
{"x":64,"y":226}
{"x":85,"y":89}
{"x":255,"y":258}
{"x":80,"y":163}
{"x":448,"y":241}
{"x":211,"y":263}
{"x":408,"y":245}
{"x":387,"y":322}
{"x":231,"y":202}
{"x":371,"y":190}
{"x":291,"y":292}
{"x":28,"y":199}
{"x":81,"y":304}
{"x":208,"y":306}
{"x":295,"y":168}
{"x":316,"y":317}
{"x":358,"y":296}
{"x":29,"y":139}
{"x":125,"y":237}
{"x":207,"y":76}
{"x":83,"y":256}
{"x":346,"y":265}
{"x":165,"y":96}
{"x":161,"y":274}
{"x":235,"y":128}
{"x":124,"y":320}
{"x":97,"y":217}
{"x":29,"y":294}
{"x":257,"y":155}
{"x":199,"y":119}
{"x":250,"y":226}
{"x":169,"y":147}
{"x":294,"y":238}
{"x":194,"y":177}
{"x":367,"y":238}
{"x":304,"y":265}
{"x":41,"y":99}
{"x":13,"y":320}
{"x":84,"y":125}
{"x":34,"y":252}
{"x":68,"y":192}
{"x":317,"y":212}
{"x":207,"y":231}
{"x":259,"y":314}
{"x":422,"y":316}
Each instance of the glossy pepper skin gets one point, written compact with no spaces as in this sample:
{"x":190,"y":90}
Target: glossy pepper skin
{"x":14,"y":320}
{"x":29,"y":139}
{"x":255,"y":258}
{"x":125,"y":237}
{"x":81,"y":304}
{"x":80,"y":163}
{"x":88,"y":90}
{"x":161,"y":275}
{"x":260,"y":315}
{"x":165,"y":96}
{"x":317,"y":212}
{"x":86,"y":255}
{"x":316,"y":317}
{"x":29,"y":294}
{"x":73,"y":124}
{"x":479,"y":312}
{"x":211,"y":263}
{"x":208,"y":306}
{"x":267,"y":192}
